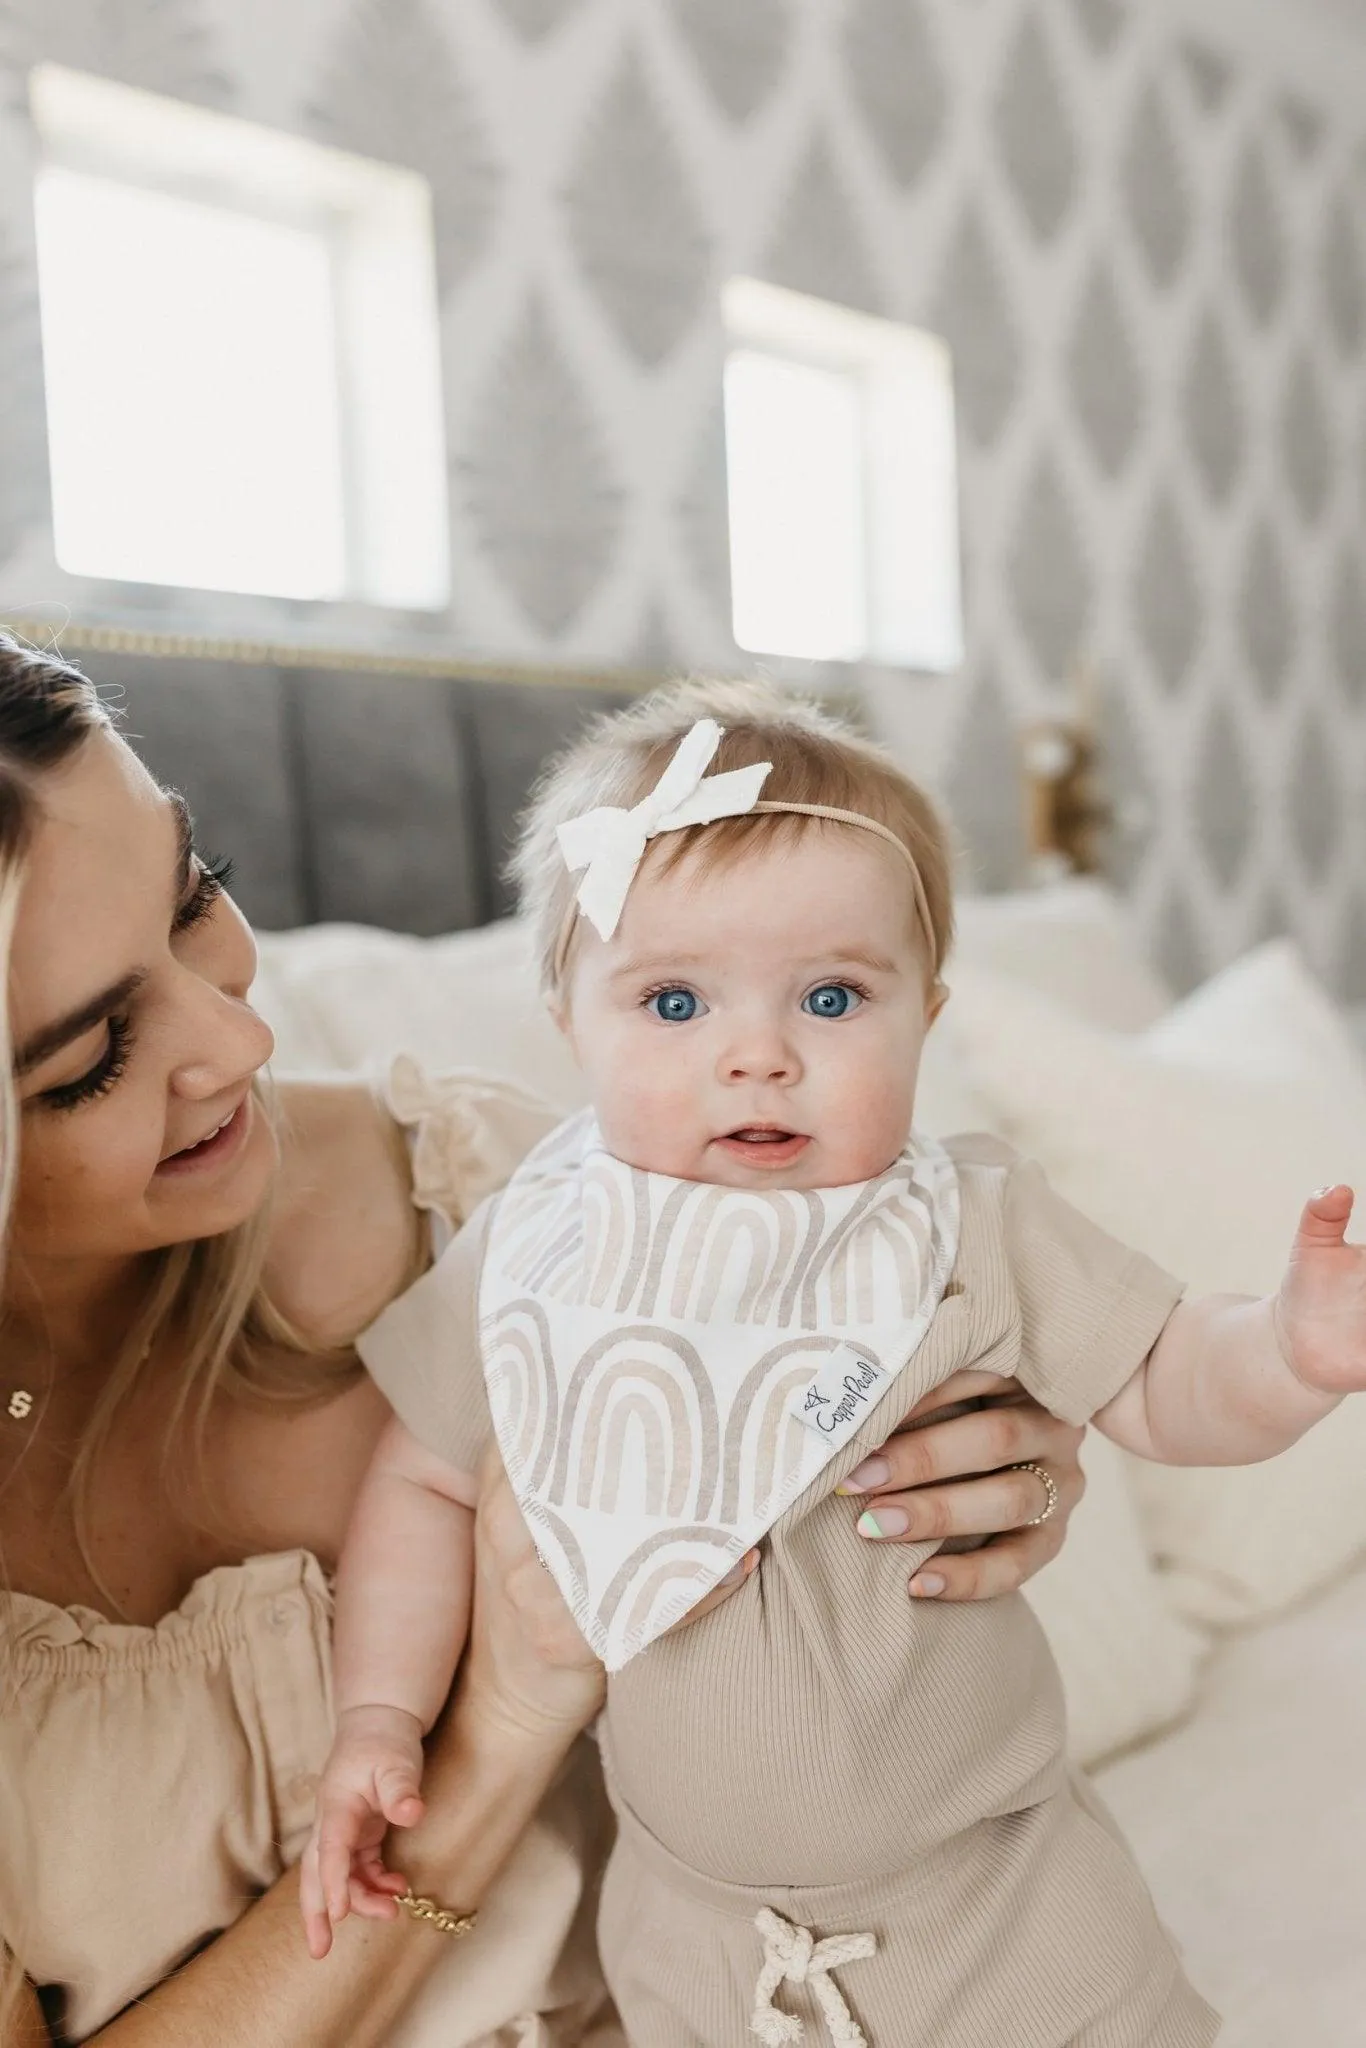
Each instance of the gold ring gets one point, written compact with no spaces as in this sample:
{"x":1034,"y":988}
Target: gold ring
{"x":1050,"y":1489}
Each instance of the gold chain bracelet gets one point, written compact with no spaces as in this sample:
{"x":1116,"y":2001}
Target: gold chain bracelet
{"x":437,"y":1916}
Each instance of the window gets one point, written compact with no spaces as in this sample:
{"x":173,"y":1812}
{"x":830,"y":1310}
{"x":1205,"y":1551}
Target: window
{"x":241,"y":354}
{"x":840,"y":450}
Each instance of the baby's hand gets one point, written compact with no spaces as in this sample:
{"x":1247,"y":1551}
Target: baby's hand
{"x":370,"y":1784}
{"x":1320,"y":1310}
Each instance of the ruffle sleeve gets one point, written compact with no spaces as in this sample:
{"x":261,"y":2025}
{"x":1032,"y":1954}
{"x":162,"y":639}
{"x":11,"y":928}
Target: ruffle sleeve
{"x":467,"y":1132}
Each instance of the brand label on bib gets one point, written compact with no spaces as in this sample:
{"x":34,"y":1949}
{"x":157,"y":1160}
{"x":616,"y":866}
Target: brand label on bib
{"x":835,"y":1402}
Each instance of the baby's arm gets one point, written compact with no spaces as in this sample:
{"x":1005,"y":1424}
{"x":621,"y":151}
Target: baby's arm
{"x":403,"y":1603}
{"x":1233,"y":1380}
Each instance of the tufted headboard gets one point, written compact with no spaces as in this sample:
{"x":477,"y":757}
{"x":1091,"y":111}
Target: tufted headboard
{"x":374,"y":796}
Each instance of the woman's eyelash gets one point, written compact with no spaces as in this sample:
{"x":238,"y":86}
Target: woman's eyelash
{"x":212,"y":879}
{"x":107,"y":1070}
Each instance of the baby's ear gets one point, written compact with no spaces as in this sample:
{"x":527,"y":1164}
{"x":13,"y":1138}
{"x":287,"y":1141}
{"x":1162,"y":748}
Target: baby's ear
{"x":558,"y":1011}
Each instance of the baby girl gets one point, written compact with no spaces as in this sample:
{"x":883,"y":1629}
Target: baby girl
{"x":696,"y":1309}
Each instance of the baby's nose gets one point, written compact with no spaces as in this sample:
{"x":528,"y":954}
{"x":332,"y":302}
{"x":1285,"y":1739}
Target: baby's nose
{"x":761,"y":1069}
{"x":761,"y":1055}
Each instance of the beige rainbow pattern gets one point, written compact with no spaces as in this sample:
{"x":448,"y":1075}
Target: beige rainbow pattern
{"x":645,"y":1340}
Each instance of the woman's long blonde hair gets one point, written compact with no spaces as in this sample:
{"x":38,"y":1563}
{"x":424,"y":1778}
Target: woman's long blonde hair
{"x":207,"y":1298}
{"x":208,"y":1295}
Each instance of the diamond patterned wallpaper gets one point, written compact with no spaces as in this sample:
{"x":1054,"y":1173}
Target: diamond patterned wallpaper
{"x":1148,"y":256}
{"x":391,"y":87}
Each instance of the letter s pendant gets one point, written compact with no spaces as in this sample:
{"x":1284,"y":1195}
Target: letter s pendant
{"x":20,"y":1405}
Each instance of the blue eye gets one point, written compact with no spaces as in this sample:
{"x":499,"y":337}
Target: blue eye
{"x":831,"y":999}
{"x":674,"y":1005}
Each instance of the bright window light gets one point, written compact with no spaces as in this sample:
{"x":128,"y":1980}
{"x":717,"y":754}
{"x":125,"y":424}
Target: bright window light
{"x":841,"y":457}
{"x":194,"y":419}
{"x":794,"y":454}
{"x":241,"y":354}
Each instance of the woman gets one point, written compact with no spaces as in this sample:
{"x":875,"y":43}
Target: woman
{"x":182,"y":1428}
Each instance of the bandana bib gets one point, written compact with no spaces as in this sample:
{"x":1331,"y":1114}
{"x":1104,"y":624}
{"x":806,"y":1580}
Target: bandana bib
{"x":670,"y":1364}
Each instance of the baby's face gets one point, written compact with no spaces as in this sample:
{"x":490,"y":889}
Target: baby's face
{"x":761,"y":1026}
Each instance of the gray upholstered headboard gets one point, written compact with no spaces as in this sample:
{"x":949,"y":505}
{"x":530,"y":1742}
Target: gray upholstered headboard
{"x":341,"y":793}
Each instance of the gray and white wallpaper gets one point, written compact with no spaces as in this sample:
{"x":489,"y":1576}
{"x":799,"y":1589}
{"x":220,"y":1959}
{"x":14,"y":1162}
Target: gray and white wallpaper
{"x":1148,"y":256}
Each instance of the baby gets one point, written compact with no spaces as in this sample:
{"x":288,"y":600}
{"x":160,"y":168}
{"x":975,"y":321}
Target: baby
{"x":694,"y":1311}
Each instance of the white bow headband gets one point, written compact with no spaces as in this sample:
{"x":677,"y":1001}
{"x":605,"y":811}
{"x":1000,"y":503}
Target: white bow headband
{"x":609,"y":843}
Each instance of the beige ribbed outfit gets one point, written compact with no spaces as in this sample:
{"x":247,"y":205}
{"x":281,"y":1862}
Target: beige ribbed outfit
{"x":154,"y":1781}
{"x":854,"y":1762}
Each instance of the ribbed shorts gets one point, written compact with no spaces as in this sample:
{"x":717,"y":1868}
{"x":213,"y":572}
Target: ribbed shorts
{"x":1033,"y":1930}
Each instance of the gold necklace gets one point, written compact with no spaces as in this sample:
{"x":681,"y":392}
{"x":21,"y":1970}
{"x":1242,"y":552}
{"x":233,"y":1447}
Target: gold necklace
{"x":19,"y":1406}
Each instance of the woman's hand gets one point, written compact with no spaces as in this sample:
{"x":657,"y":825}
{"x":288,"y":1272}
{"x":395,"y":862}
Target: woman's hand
{"x":952,"y":1479}
{"x":528,"y":1672}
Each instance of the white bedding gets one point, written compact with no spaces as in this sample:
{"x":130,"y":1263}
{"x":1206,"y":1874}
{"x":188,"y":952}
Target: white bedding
{"x":1250,"y":1822}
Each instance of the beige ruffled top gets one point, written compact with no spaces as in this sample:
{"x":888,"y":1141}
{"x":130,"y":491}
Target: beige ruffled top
{"x":154,"y":1781}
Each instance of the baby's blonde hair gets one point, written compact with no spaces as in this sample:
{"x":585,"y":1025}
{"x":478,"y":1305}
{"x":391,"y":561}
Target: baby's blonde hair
{"x":817,"y":758}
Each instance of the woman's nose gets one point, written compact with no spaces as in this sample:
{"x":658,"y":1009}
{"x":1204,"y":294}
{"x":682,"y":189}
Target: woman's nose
{"x":231,"y":1044}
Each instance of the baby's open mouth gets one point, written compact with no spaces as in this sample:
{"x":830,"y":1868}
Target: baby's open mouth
{"x":766,"y":1144}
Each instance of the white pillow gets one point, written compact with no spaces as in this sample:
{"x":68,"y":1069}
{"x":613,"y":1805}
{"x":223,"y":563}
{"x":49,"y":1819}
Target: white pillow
{"x":1128,"y":1662}
{"x":946,"y":1098}
{"x":348,"y":996}
{"x":301,"y":1046}
{"x":1072,"y":941}
{"x":1198,"y":1142}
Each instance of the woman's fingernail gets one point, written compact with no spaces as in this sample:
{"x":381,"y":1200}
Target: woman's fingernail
{"x":886,"y":1522}
{"x":872,"y":1472}
{"x":926,"y":1585}
{"x":749,"y":1562}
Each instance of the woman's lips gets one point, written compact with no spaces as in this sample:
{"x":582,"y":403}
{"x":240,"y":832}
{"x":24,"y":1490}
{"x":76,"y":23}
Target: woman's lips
{"x":215,"y":1150}
{"x":758,"y":1145}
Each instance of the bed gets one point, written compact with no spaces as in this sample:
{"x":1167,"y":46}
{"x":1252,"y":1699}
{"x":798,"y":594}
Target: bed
{"x":378,"y":796}
{"x":1211,"y":1628}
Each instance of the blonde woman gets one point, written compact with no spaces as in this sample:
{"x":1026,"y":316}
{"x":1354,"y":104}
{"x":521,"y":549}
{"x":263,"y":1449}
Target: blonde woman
{"x":183,"y":1426}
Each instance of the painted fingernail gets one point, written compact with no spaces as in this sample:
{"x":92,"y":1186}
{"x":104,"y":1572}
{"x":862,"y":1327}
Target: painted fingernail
{"x":926,"y":1586}
{"x":872,"y":1472}
{"x":886,"y":1522}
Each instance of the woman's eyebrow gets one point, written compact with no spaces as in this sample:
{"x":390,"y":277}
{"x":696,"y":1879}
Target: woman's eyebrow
{"x":184,"y":827}
{"x":53,"y":1037}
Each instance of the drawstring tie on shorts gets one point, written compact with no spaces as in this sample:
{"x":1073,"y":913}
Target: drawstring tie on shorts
{"x":792,"y":1955}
